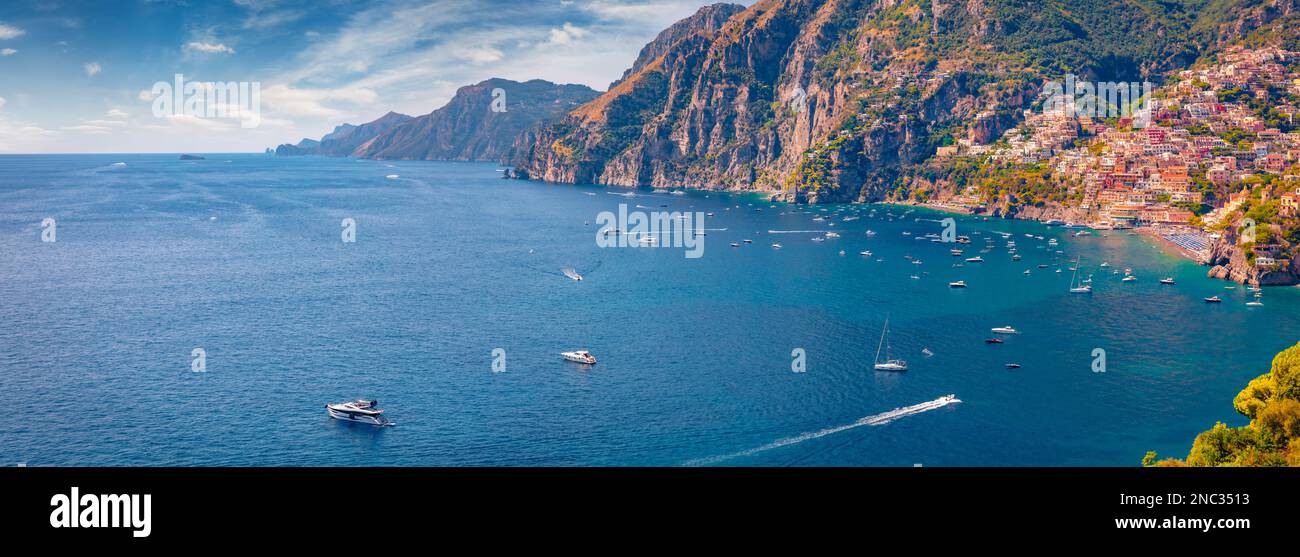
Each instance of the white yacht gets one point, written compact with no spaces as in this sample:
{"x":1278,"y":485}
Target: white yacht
{"x":976,"y":259}
{"x":958,"y":284}
{"x":889,"y":364}
{"x":1006,"y":330}
{"x":1079,"y":287}
{"x":579,"y":356}
{"x":363,"y":411}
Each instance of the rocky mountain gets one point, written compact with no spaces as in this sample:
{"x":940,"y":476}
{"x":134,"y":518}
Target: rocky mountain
{"x":830,"y":100}
{"x":345,"y":138}
{"x":707,"y":20}
{"x":477,"y":124}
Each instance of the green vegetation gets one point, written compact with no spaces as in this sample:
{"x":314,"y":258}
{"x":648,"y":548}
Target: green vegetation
{"x":1272,"y":438}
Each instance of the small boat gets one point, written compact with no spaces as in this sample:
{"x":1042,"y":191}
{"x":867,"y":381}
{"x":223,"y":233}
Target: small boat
{"x":1015,"y":257}
{"x":866,"y":253}
{"x":364,"y":411}
{"x":776,"y":246}
{"x":1013,"y":366}
{"x":735,"y":245}
{"x":927,"y":352}
{"x":579,"y":356}
{"x":1081,"y":287}
{"x":871,"y":233}
{"x":957,"y":284}
{"x":832,"y":234}
{"x":976,"y":259}
{"x":748,"y":241}
{"x":955,"y":252}
{"x":649,"y":241}
{"x":890,"y":364}
{"x":1129,"y":278}
{"x":1213,"y":300}
{"x":1167,"y":280}
{"x":1042,"y":266}
{"x":1006,"y":330}
{"x":993,"y":341}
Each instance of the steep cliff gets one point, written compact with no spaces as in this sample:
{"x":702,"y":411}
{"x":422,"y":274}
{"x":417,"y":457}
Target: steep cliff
{"x":345,"y":138}
{"x":476,"y":124}
{"x":707,"y":20}
{"x":827,"y":100}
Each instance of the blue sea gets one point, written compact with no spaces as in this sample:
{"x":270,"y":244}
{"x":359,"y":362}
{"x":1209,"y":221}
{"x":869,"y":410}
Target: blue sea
{"x":242,"y":256}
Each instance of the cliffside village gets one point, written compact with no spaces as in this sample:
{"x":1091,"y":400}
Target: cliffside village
{"x":1148,"y":169}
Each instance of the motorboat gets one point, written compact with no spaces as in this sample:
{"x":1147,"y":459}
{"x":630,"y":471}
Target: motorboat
{"x":976,"y":259}
{"x":957,"y":284}
{"x":1167,"y":280}
{"x":993,"y":341}
{"x":579,"y":356}
{"x":1006,"y":330}
{"x":364,"y":411}
{"x":1013,"y":366}
{"x":1213,"y":300}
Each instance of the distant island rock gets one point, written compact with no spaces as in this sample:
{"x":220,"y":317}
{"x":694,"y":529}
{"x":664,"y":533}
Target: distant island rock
{"x":466,"y":128}
{"x":192,"y":158}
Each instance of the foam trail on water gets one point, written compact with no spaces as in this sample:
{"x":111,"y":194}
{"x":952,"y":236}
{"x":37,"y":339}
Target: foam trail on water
{"x":878,"y":419}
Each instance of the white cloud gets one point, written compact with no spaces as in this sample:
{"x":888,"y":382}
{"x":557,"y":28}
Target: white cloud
{"x":10,"y":32}
{"x":90,"y":129}
{"x":105,"y":123}
{"x":480,"y":55}
{"x":116,"y":113}
{"x":271,"y":19}
{"x":210,"y":48}
{"x":92,"y":68}
{"x":145,"y":95}
{"x":2,"y":102}
{"x":8,"y":52}
{"x":312,"y":102}
{"x":567,"y":34}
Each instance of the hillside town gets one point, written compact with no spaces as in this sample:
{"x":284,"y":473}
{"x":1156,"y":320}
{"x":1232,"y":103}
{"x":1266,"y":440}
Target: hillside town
{"x":1214,"y":142}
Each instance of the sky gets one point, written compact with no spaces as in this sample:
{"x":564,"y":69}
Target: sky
{"x":78,"y":77}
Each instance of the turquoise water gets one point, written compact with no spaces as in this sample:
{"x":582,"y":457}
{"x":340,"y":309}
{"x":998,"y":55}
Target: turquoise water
{"x":241,"y":255}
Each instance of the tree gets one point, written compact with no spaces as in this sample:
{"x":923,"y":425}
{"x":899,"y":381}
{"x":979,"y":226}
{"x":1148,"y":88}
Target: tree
{"x":1272,"y":438}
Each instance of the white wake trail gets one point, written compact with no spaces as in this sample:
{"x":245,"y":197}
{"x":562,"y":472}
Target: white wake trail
{"x":878,"y":419}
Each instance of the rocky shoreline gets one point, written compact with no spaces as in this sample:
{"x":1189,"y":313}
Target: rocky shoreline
{"x":1225,"y":259}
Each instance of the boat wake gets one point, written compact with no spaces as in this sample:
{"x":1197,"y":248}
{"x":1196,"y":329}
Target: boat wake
{"x":878,"y":419}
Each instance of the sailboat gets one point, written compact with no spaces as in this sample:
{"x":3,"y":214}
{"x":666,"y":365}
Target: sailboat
{"x":1079,"y":287}
{"x":889,"y":364}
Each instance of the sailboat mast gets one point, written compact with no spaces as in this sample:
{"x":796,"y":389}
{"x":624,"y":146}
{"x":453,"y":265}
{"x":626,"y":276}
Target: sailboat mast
{"x":882,"y":339}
